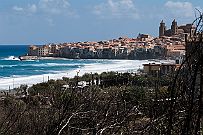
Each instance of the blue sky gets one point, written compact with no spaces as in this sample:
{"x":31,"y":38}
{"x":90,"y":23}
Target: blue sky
{"x":58,"y":21}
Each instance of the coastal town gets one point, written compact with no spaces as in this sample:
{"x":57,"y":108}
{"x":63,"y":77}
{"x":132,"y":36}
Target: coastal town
{"x":114,"y":102}
{"x":169,"y":45}
{"x":101,"y":67}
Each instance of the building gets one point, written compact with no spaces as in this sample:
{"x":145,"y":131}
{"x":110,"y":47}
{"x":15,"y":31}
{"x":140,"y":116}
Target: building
{"x":54,"y":50}
{"x":144,"y":37}
{"x":33,"y":50}
{"x":162,"y":29}
{"x":160,"y":69}
{"x":175,"y":29}
{"x":174,"y":51}
{"x":43,"y":50}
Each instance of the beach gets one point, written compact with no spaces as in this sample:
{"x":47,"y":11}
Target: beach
{"x":14,"y":72}
{"x":57,"y":68}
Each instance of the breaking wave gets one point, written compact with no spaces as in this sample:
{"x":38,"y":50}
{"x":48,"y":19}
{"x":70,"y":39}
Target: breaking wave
{"x":58,"y":73}
{"x":11,"y":58}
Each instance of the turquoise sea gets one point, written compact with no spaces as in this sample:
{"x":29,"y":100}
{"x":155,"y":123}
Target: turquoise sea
{"x":11,"y":66}
{"x":14,"y":72}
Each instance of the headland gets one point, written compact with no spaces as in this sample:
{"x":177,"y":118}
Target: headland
{"x":169,"y":45}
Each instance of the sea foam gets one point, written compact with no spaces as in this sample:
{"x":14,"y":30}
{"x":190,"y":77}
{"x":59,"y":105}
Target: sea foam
{"x":116,"y":65}
{"x":11,"y":58}
{"x":109,"y":65}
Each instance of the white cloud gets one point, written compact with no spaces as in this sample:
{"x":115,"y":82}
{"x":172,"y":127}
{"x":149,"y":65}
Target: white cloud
{"x":54,"y":6}
{"x":49,"y":7}
{"x":32,"y":8}
{"x":16,"y":8}
{"x":180,"y":9}
{"x":29,"y":9}
{"x":117,"y":9}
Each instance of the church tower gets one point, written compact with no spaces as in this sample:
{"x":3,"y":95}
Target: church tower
{"x":174,"y":28}
{"x":162,"y":29}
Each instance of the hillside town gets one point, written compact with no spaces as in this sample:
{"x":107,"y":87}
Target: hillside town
{"x":169,"y":45}
{"x":151,"y":102}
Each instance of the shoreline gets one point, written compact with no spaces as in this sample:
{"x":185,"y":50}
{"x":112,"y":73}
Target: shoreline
{"x":64,"y":58}
{"x":117,"y":66}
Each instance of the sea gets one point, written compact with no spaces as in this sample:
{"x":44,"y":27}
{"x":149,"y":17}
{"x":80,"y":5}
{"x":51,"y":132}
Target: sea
{"x":14,"y":72}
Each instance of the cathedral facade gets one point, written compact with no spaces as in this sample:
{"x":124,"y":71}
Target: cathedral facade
{"x":175,"y":29}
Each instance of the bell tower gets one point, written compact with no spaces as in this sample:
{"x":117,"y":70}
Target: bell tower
{"x":174,"y":28}
{"x":162,"y":29}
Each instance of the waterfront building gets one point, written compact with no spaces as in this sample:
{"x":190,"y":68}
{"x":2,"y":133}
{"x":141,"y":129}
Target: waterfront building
{"x":43,"y":51}
{"x":169,"y":44}
{"x":33,"y":50}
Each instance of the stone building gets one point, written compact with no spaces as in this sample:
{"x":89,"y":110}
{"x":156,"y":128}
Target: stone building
{"x":43,"y":51}
{"x":162,"y":29}
{"x":175,"y":29}
{"x":155,"y":69}
{"x":33,"y":50}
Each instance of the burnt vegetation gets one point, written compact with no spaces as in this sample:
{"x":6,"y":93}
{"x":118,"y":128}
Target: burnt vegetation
{"x":120,"y":103}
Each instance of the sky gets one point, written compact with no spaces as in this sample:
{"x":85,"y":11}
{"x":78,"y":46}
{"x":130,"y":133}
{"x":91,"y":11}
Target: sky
{"x":58,"y":21}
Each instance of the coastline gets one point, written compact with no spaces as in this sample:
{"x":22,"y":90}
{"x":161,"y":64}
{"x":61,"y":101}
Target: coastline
{"x":63,"y":58}
{"x":117,"y":66}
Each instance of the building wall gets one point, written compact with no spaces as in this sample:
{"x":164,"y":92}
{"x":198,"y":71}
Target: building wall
{"x":175,"y":29}
{"x":151,"y":67}
{"x":43,"y":51}
{"x":162,"y":69}
{"x":33,"y":51}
